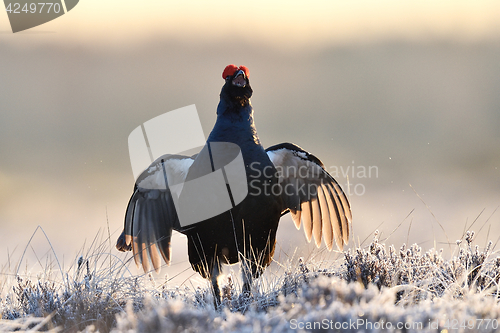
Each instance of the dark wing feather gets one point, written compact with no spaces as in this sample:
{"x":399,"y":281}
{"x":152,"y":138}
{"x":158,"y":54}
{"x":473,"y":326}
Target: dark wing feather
{"x":151,"y":216}
{"x":312,"y":195}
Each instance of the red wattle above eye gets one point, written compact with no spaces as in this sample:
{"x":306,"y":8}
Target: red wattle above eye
{"x":231,"y":69}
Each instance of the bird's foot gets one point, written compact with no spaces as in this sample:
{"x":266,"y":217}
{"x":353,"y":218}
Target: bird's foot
{"x":217,"y":305}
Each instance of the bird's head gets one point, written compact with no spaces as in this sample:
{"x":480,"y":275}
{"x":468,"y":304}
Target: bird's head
{"x":238,"y":76}
{"x":237,"y":87}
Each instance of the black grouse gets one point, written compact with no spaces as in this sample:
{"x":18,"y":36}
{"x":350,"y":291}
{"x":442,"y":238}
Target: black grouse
{"x":282,"y":178}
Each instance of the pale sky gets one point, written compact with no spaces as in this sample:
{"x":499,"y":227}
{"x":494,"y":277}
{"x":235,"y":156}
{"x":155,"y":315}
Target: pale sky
{"x":73,"y":89}
{"x":277,"y":22}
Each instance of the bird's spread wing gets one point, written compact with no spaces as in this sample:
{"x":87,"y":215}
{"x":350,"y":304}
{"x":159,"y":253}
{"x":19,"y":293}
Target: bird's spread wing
{"x":151,"y":214}
{"x":311,"y":195}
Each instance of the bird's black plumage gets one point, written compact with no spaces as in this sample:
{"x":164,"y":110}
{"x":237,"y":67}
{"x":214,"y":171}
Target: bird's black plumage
{"x":283,"y":178}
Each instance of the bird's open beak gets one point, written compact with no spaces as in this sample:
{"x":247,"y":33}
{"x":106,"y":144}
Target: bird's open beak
{"x":240,"y":79}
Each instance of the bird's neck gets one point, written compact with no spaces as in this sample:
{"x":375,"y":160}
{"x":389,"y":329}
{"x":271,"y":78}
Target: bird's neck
{"x":235,"y":123}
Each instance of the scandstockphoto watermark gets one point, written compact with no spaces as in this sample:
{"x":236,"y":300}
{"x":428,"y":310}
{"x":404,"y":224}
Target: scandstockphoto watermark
{"x":354,"y":324}
{"x":214,"y":184}
{"x":314,"y":174}
{"x":28,"y":14}
{"x":362,"y":324}
{"x":217,"y":180}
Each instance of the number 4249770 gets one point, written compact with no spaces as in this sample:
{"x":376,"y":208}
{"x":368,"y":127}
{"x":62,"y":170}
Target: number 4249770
{"x":39,"y":8}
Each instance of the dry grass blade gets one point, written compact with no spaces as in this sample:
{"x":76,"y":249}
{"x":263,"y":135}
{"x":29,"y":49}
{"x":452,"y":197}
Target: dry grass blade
{"x":99,"y":293}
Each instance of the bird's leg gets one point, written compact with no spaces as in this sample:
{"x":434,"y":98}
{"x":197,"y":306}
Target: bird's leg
{"x":247,"y":276}
{"x":215,"y":284}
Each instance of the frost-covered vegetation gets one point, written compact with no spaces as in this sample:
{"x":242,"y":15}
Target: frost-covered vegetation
{"x":371,"y":289}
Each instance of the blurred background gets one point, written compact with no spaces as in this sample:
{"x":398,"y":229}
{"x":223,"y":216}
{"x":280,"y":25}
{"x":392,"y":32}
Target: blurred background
{"x":409,"y":91}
